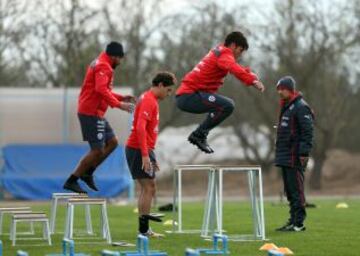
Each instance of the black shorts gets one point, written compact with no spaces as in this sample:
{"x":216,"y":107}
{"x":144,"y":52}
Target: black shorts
{"x":134,"y":160}
{"x":96,"y":130}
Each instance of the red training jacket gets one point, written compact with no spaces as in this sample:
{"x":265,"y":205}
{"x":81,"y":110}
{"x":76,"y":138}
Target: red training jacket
{"x":208,"y":75}
{"x":145,"y":128}
{"x":96,"y":91}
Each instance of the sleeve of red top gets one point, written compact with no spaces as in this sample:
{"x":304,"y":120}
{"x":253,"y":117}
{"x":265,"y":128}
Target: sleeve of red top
{"x":141,"y":135}
{"x":118,"y":96}
{"x":102,"y":80}
{"x":227,"y":62}
{"x":144,"y":115}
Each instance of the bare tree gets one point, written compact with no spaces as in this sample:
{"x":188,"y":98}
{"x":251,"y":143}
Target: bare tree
{"x":310,"y":42}
{"x":186,"y":39}
{"x":137,"y":28}
{"x":11,"y":15}
{"x":66,"y":41}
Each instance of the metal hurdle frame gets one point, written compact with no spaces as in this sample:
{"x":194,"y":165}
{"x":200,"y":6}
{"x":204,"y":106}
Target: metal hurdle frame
{"x":30,"y":217}
{"x":66,"y":196}
{"x":105,"y":227}
{"x":256,"y":197}
{"x":12,"y":210}
{"x":213,"y":211}
{"x":177,"y":197}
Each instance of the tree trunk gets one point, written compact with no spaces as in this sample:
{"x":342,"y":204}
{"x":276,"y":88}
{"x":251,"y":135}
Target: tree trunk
{"x":315,"y":178}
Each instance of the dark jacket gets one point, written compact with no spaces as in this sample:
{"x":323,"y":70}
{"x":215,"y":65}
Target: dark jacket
{"x":294,"y":133}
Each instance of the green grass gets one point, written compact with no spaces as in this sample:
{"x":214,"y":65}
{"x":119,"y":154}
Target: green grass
{"x":330,"y":231}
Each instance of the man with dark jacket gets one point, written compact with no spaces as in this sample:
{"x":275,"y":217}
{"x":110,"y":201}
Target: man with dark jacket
{"x":293,"y":145}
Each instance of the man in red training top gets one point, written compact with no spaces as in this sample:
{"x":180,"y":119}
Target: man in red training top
{"x":95,"y":97}
{"x":140,"y":146}
{"x":198,"y":90}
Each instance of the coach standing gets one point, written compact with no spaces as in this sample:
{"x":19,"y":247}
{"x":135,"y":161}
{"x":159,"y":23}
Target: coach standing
{"x":293,"y":145}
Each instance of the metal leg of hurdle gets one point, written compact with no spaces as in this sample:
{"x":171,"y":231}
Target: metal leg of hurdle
{"x":69,"y":222}
{"x":54,"y":203}
{"x":261,"y":206}
{"x":65,"y":196}
{"x":30,"y":218}
{"x":88,"y":220}
{"x":177,"y":198}
{"x":255,"y":181}
{"x":69,"y":226}
{"x":220,"y":187}
{"x":256,"y":198}
{"x":11,"y":210}
{"x":211,"y":212}
{"x":13,"y":232}
{"x":254,"y":204}
{"x":105,"y":224}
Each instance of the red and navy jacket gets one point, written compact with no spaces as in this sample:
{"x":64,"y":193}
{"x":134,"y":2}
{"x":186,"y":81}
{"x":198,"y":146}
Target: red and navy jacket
{"x":294,"y":132}
{"x":96,"y":93}
{"x":208,"y":75}
{"x":145,"y":128}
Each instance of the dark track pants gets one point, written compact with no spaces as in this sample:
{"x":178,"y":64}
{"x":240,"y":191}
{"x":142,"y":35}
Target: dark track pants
{"x":294,"y":188}
{"x":217,"y":106}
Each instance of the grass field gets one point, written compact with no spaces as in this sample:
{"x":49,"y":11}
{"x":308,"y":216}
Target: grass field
{"x":330,"y":231}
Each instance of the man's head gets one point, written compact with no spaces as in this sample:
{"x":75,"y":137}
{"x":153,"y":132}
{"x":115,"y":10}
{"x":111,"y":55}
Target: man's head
{"x":286,"y":87}
{"x":163,"y":84}
{"x":116,"y":52}
{"x":237,"y":42}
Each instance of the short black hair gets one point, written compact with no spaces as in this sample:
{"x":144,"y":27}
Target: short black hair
{"x":164,"y":77}
{"x":115,"y":49}
{"x":238,"y":39}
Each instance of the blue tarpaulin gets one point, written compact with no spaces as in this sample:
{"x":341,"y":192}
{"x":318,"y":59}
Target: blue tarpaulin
{"x":34,"y":172}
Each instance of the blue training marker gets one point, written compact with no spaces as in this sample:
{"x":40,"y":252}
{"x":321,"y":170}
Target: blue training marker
{"x":68,"y":247}
{"x":216,"y":250}
{"x":191,"y":252}
{"x":142,"y":248}
{"x":21,"y":253}
{"x":109,"y":253}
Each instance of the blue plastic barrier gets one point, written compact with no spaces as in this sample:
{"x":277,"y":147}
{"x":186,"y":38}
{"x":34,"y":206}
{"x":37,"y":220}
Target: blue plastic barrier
{"x":34,"y":172}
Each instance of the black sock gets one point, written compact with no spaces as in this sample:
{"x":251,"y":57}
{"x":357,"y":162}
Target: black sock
{"x":72,"y":178}
{"x":200,"y":133}
{"x":90,"y":171}
{"x":143,"y":224}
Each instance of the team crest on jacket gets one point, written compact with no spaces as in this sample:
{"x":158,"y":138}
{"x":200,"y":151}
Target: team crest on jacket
{"x":212,"y":98}
{"x":100,"y":136}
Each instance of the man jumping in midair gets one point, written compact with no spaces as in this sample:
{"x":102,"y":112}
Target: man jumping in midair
{"x":198,"y":90}
{"x":95,"y":97}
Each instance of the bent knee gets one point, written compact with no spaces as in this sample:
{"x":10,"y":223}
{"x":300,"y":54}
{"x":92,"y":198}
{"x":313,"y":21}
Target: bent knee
{"x":98,"y":153}
{"x":113,"y":142}
{"x":230,"y":106}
